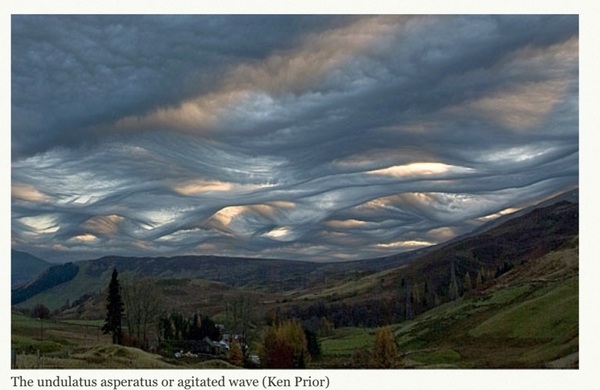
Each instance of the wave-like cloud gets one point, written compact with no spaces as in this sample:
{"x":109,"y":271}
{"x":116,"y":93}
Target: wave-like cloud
{"x":313,"y":137}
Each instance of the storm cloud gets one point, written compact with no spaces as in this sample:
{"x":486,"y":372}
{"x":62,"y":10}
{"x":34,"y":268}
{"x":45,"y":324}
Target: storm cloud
{"x":302,"y":137}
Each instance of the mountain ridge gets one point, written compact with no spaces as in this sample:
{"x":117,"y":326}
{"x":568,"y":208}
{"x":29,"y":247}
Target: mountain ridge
{"x":25,"y":267}
{"x":514,"y":241}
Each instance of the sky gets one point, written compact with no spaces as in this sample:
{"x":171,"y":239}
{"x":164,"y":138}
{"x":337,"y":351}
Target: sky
{"x":306,"y":137}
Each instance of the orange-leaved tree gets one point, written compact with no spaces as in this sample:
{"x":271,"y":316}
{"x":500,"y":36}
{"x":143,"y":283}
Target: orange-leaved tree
{"x":385,"y":351}
{"x":284,"y":346}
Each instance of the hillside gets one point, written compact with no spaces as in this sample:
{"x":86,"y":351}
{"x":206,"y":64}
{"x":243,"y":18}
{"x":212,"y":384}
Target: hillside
{"x":571,"y":196}
{"x":229,"y":273}
{"x":25,"y":267}
{"x":50,"y":278}
{"x":377,"y":298}
{"x":528,"y":318}
{"x":494,"y":251}
{"x":515,"y":300}
{"x":264,"y":275}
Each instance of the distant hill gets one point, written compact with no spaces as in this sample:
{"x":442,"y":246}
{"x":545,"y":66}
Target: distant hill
{"x":264,"y":275}
{"x":571,"y":196}
{"x":496,"y":250}
{"x":51,"y":277}
{"x":25,"y":267}
{"x":369,"y":300}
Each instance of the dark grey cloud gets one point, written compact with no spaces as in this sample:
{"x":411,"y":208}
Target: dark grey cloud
{"x":310,"y":137}
{"x":71,"y":72}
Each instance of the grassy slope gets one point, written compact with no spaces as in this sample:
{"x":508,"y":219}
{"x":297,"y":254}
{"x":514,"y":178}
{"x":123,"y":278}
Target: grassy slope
{"x":530,"y":318}
{"x":536,"y":327}
{"x":185,"y":294}
{"x":80,"y":344}
{"x":81,"y":284}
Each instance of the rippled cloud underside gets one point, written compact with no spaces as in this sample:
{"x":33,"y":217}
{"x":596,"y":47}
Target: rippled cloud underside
{"x":302,"y":137}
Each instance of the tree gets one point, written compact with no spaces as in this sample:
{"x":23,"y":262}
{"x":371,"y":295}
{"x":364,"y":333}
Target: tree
{"x":209,"y":329}
{"x":385,"y":351}
{"x":416,"y":293}
{"x":238,"y":314}
{"x":453,"y":287}
{"x":427,"y":300}
{"x":312,"y":344}
{"x":142,"y":304}
{"x":284,"y":346}
{"x":479,"y":279}
{"x":362,"y":358}
{"x":467,"y":282}
{"x":40,"y":311}
{"x":177,"y":327}
{"x":325,"y":327}
{"x":114,"y":310}
{"x":409,"y":313}
{"x":236,"y":356}
{"x":241,"y":317}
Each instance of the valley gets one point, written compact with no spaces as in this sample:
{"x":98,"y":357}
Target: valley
{"x":507,"y":297}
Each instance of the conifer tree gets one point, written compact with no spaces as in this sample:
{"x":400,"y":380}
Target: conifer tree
{"x":467,"y":282}
{"x":114,"y":310}
{"x":409,"y":313}
{"x":453,"y":288}
{"x":416,"y":297}
{"x":479,"y":279}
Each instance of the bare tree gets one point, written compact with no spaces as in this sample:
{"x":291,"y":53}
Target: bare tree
{"x":241,"y":317}
{"x":143,"y":305}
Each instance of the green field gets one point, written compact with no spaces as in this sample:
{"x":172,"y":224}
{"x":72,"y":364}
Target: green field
{"x":531,"y":325}
{"x":80,"y":344}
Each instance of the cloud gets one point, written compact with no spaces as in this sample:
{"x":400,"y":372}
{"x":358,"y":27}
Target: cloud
{"x":105,"y":225}
{"x":419,"y":169}
{"x":251,"y":87}
{"x":27,"y":193}
{"x":305,"y":137}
